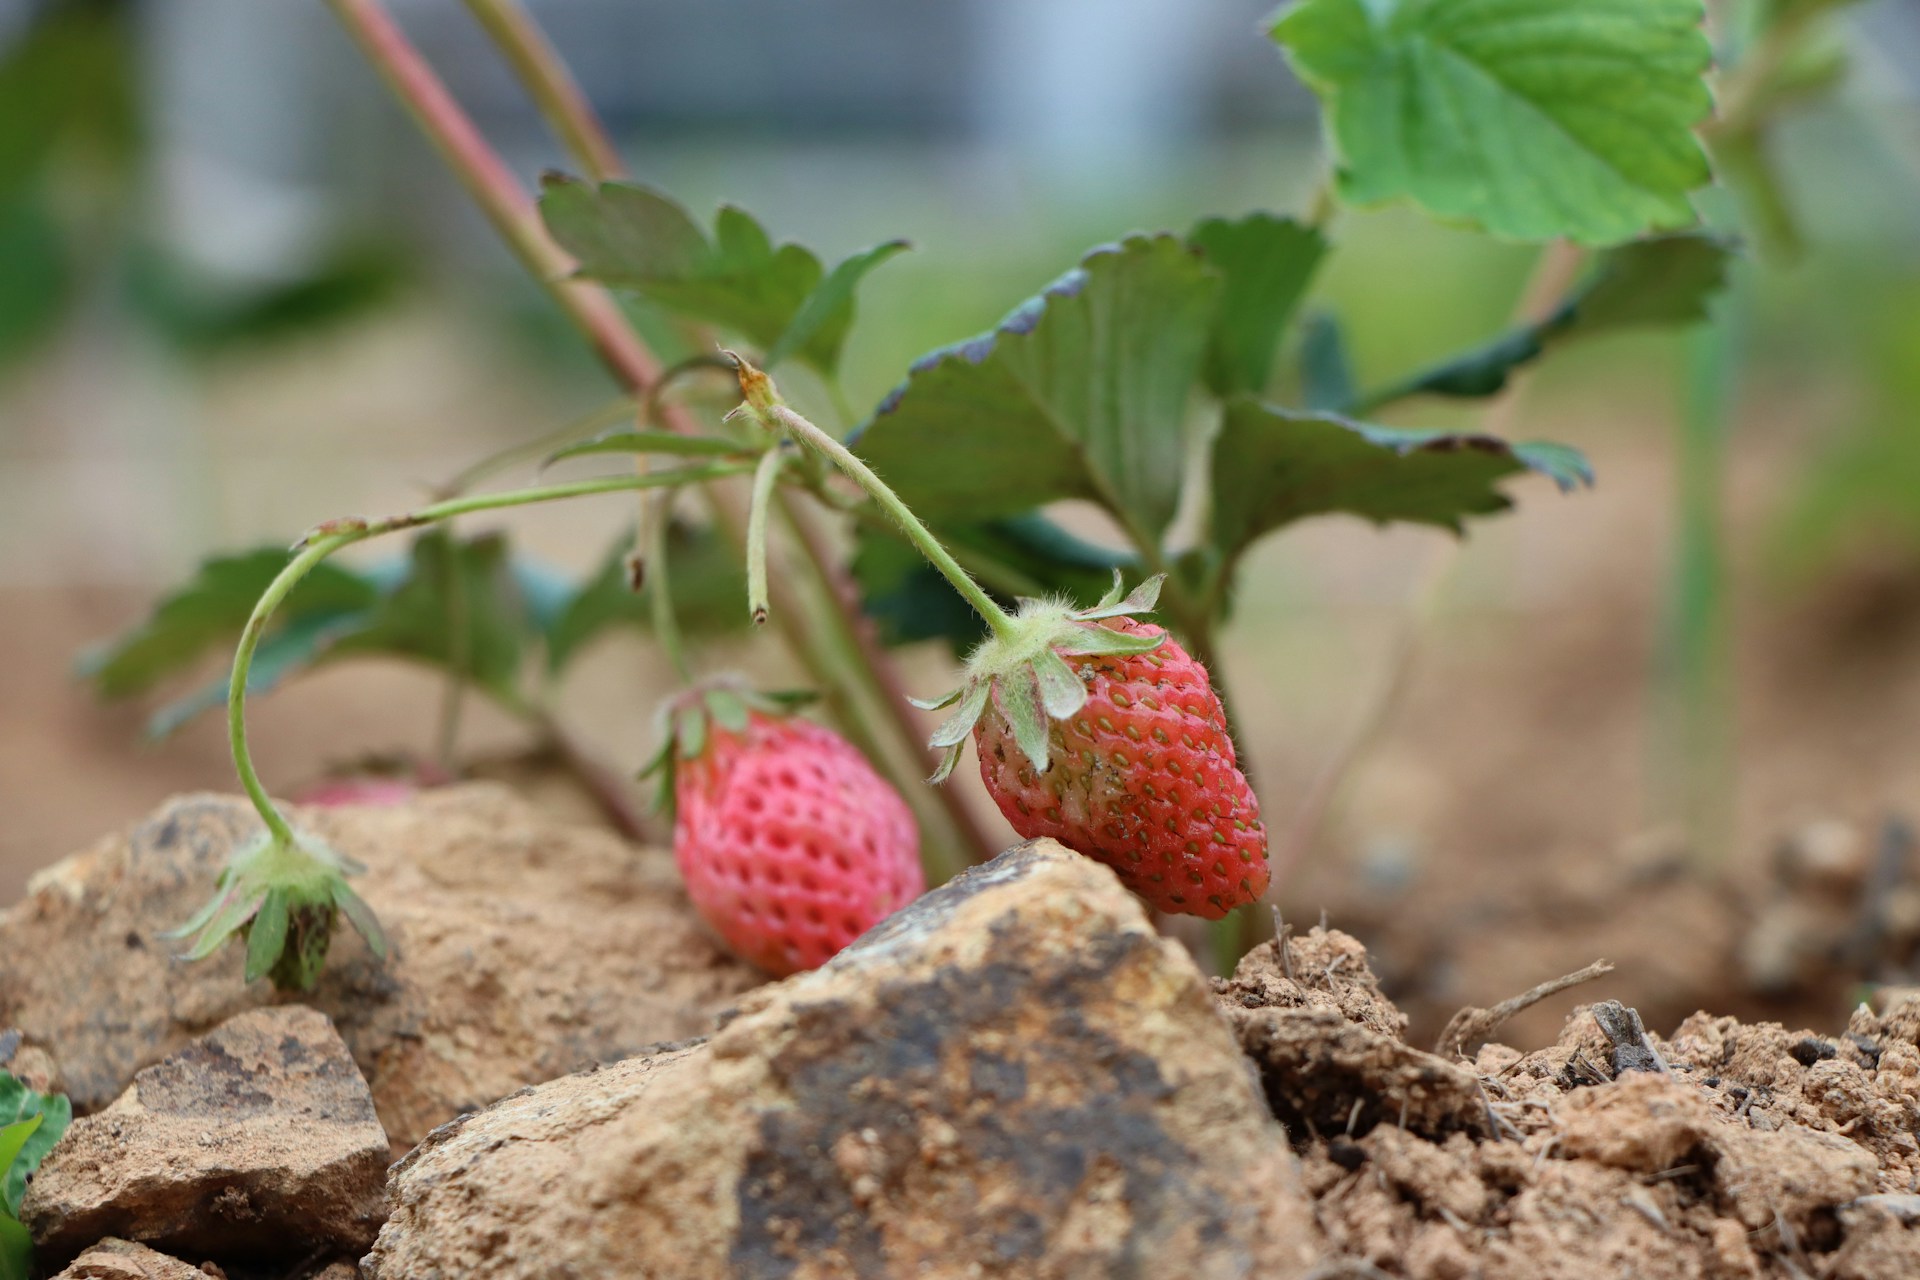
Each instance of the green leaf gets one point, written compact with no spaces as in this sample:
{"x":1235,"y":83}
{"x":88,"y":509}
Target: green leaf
{"x":622,"y":233}
{"x":1535,"y":119}
{"x":820,"y":326}
{"x":1026,"y":555}
{"x":1272,"y":467}
{"x":670,"y":443}
{"x":19,"y":1103}
{"x":1079,"y":393}
{"x":1665,"y":280}
{"x":1265,"y":264}
{"x":37,"y":273}
{"x":636,"y":238}
{"x":458,"y":608}
{"x":16,"y":1249}
{"x":1326,"y":375}
{"x":1657,"y":282}
{"x":13,"y":1138}
{"x":207,"y":614}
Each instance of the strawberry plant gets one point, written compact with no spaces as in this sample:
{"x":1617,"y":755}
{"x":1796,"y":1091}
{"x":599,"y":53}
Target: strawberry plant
{"x":1167,"y":378}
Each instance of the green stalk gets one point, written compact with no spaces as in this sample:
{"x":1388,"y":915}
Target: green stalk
{"x":312,"y":554}
{"x":666,"y":623}
{"x":780,"y":417}
{"x":335,"y":534}
{"x":1694,"y":756}
{"x":764,"y":476}
{"x":552,"y":86}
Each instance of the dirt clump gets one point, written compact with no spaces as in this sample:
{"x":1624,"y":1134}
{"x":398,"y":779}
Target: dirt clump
{"x":1756,"y":1152}
{"x":522,"y":949}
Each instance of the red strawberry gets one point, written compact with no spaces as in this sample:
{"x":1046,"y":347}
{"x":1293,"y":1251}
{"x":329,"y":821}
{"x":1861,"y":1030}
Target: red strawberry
{"x":1101,"y":732}
{"x":1143,"y":778}
{"x":790,"y":844}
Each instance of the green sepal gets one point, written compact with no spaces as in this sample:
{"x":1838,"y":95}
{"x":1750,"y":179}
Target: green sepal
{"x":1098,"y":640}
{"x":235,"y":910}
{"x":361,"y":917}
{"x":728,"y":709}
{"x":266,"y":934}
{"x":281,"y":896}
{"x":954,"y":729}
{"x":1017,"y":696}
{"x":948,"y":759}
{"x":1113,"y":593}
{"x":199,"y":918}
{"x":934,"y":704}
{"x":1142,"y":600}
{"x":690,"y":732}
{"x":1061,"y":693}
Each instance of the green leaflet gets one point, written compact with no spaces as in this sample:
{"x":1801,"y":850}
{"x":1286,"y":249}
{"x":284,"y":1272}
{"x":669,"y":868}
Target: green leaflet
{"x":1081,"y":392}
{"x":1272,"y":467}
{"x":1658,"y":282}
{"x":1534,"y":119}
{"x":778,"y":297}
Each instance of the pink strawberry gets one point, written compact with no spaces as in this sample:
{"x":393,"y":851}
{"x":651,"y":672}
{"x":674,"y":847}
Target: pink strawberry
{"x":1100,"y":731}
{"x":790,"y":844}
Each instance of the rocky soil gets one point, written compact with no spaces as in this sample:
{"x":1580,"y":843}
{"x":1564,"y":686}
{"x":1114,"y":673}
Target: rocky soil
{"x":1015,"y":1077}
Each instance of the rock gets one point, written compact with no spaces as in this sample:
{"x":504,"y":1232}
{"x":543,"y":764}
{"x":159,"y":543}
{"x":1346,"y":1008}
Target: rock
{"x":1012,"y":1077}
{"x":258,"y":1140}
{"x":113,"y":1259}
{"x":522,"y":950}
{"x":30,"y":1064}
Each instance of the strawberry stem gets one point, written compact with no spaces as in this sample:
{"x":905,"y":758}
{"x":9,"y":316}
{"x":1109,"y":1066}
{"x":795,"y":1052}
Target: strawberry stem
{"x":333,"y":535}
{"x":764,"y":476}
{"x":767,"y":408}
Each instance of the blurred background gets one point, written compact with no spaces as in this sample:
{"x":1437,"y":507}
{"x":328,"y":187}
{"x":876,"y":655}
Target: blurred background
{"x":239,"y":294}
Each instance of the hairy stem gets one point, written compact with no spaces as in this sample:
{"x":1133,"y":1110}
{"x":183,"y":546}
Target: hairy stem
{"x":784,"y":419}
{"x":551,"y":85}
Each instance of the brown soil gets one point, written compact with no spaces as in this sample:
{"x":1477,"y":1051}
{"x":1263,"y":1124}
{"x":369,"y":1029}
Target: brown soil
{"x":1749,"y":1151}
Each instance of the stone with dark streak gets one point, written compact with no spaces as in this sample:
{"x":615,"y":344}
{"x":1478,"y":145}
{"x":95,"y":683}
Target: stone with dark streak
{"x":1014,"y":1077}
{"x":257,"y":1140}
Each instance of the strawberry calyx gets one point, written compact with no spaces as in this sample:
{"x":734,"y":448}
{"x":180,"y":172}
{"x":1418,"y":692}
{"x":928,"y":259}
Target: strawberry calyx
{"x":688,"y":719}
{"x":1023,"y":671}
{"x":283,"y":896}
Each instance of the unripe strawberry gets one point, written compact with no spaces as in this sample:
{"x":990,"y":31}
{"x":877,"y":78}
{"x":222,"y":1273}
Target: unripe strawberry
{"x":790,"y":844}
{"x":1101,"y":732}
